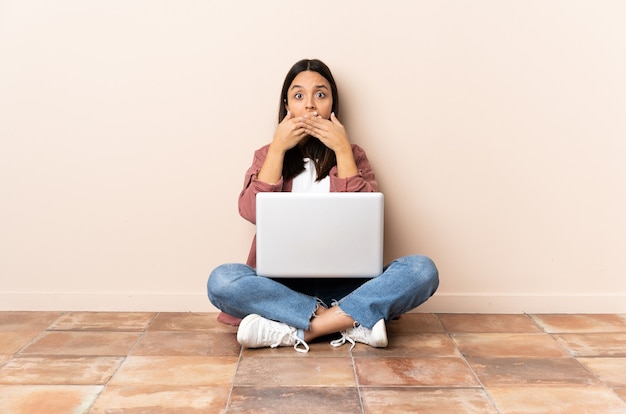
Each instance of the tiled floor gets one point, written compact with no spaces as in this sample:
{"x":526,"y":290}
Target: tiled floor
{"x":82,"y":362}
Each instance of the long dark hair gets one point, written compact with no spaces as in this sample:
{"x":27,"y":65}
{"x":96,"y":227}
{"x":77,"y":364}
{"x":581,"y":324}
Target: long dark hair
{"x":323,"y":157}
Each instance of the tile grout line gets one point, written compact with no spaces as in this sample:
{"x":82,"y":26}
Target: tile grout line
{"x":124,"y":358}
{"x":356,"y":382}
{"x":232,"y":384}
{"x":17,"y":354}
{"x":571,"y":353}
{"x":469,"y":366}
{"x":39,"y":335}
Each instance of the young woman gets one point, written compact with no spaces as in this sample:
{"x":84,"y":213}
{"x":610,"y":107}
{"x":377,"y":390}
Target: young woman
{"x":311,"y":152}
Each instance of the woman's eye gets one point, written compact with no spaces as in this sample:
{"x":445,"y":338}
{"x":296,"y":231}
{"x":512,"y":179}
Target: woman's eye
{"x":298,"y":95}
{"x":320,"y":95}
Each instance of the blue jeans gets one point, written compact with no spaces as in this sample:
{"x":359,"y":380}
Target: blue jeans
{"x":404,"y":284}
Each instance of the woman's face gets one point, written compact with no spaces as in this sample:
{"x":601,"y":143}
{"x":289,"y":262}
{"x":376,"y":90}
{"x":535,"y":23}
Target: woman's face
{"x":309,"y":93}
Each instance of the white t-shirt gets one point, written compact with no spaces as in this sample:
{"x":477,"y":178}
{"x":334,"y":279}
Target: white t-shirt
{"x":305,"y":181}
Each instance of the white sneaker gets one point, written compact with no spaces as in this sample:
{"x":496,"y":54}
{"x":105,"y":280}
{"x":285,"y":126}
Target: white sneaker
{"x":258,"y":332}
{"x":376,"y":337}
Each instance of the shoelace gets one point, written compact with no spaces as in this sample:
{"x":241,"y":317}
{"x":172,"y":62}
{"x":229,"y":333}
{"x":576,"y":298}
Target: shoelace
{"x":357,"y":334}
{"x":344,"y":337}
{"x":305,"y":346}
{"x":298,"y":341}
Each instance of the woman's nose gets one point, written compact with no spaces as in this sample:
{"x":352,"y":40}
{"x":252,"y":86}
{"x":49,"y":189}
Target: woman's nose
{"x":310,"y":104}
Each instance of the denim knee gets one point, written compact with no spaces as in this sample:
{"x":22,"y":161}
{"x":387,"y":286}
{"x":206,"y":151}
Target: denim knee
{"x":424,"y":270}
{"x":220,"y":283}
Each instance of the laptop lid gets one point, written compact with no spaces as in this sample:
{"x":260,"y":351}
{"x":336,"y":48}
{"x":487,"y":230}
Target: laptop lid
{"x":319,"y":234}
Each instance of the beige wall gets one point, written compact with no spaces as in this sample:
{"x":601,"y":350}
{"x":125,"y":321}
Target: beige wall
{"x":496,"y":128}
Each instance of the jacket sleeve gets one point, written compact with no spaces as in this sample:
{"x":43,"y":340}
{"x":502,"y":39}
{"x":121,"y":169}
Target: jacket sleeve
{"x":252,"y":185}
{"x":364,"y":181}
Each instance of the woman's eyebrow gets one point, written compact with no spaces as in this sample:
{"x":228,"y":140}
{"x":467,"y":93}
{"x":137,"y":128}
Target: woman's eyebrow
{"x":321,"y":86}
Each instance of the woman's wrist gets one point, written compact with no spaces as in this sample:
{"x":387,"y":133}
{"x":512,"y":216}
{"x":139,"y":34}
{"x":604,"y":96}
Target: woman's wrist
{"x":276,"y":149}
{"x":346,"y":165}
{"x":344,"y":151}
{"x":271,"y":171}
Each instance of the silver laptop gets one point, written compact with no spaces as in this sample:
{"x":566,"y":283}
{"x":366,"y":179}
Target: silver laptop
{"x":319,"y":234}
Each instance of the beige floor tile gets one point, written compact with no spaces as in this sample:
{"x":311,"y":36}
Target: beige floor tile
{"x":27,"y":321}
{"x":430,"y":372}
{"x":187,"y":362}
{"x":317,"y":349}
{"x":59,"y":370}
{"x":487,"y":323}
{"x":556,"y":400}
{"x":594,"y":344}
{"x":531,"y":371}
{"x":4,"y":358}
{"x":621,"y":392}
{"x":176,"y":370}
{"x":509,"y":345}
{"x":415,"y":323}
{"x":48,"y":399}
{"x":612,"y":371}
{"x":160,"y":399}
{"x":415,"y":345}
{"x":12,"y":341}
{"x":581,"y":323}
{"x":190,"y":322}
{"x":294,"y":371}
{"x":271,"y":400}
{"x":426,"y":401}
{"x":83,"y":343}
{"x":187,"y":343}
{"x":103,"y":321}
